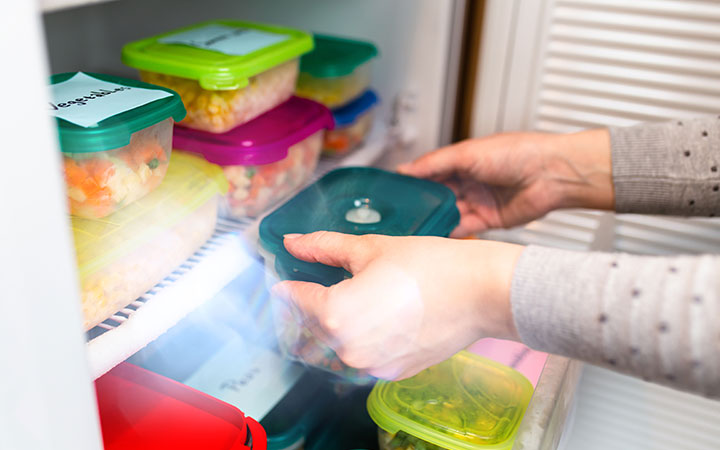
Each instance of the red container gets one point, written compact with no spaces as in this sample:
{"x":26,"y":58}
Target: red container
{"x":141,"y":410}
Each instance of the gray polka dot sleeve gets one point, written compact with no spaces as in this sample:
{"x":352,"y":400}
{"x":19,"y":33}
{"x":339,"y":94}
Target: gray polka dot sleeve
{"x":653,"y":317}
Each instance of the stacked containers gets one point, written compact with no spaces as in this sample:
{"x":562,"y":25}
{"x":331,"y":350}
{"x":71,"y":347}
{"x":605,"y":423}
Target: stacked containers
{"x":123,"y":255}
{"x":117,"y":160}
{"x":141,"y":410}
{"x":236,"y":80}
{"x":265,"y":159}
{"x":359,"y":200}
{"x":227,"y":72}
{"x":465,"y":403}
{"x":337,"y":73}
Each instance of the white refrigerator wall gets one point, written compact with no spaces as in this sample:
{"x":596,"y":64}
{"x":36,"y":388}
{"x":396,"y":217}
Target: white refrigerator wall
{"x":419,"y":42}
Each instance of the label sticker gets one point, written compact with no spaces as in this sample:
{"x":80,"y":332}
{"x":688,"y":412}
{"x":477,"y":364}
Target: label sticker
{"x":225,"y":39}
{"x":86,"y":101}
{"x":252,"y":378}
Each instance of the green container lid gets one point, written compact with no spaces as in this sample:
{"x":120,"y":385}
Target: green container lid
{"x":336,"y":57}
{"x":464,"y":403}
{"x":357,"y":200}
{"x":219,"y":54}
{"x":116,"y":131}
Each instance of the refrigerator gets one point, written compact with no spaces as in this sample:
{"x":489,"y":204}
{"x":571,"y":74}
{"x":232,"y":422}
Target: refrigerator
{"x":448,"y":69}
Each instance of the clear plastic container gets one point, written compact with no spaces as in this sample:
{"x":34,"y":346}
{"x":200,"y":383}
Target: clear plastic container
{"x":120,"y":160}
{"x":226,"y":72}
{"x":352,"y":125}
{"x":266,"y":159}
{"x":402,"y":206}
{"x":122,"y":256}
{"x":141,"y":410}
{"x":337,"y":71}
{"x":464,"y":403}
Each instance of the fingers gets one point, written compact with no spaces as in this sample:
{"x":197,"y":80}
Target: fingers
{"x":333,"y":249}
{"x":439,"y":163}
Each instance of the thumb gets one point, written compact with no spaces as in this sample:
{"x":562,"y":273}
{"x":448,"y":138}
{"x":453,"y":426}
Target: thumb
{"x":436,"y":164}
{"x":333,"y":249}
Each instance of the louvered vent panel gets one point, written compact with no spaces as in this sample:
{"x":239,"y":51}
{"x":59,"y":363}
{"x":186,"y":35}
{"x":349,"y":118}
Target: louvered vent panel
{"x":617,"y":63}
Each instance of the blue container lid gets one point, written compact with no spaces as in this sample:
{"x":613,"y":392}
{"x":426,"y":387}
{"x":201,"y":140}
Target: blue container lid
{"x":348,"y":114}
{"x":357,"y":200}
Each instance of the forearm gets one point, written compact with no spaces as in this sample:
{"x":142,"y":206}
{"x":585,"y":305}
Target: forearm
{"x":668,"y":168}
{"x":653,"y":317}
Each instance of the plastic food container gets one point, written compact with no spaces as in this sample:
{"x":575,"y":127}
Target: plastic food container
{"x":337,"y":71}
{"x":298,"y":414}
{"x":141,"y":410}
{"x":122,"y":158}
{"x":122,"y":256}
{"x":357,"y":200}
{"x":227,"y":72}
{"x":266,"y":159}
{"x":467,"y":402}
{"x":352,"y":125}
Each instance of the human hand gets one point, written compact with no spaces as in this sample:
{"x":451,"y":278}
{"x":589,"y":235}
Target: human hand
{"x":412,"y":301}
{"x":506,"y":180}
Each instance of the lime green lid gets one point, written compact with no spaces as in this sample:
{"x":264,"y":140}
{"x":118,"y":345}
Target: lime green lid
{"x":467,"y":402}
{"x":336,"y":57}
{"x":115,"y":131}
{"x":219,"y":54}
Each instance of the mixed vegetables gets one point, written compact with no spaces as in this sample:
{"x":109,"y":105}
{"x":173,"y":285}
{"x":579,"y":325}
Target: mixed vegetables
{"x":253,"y":189}
{"x":100,"y":183}
{"x":342,"y":140}
{"x":221,"y":111}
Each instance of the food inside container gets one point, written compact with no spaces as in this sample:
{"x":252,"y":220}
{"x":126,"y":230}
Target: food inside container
{"x":114,"y":153}
{"x":352,"y":125}
{"x":466,"y":402}
{"x":355,"y":200}
{"x":266,"y":159}
{"x":299,"y":413}
{"x":141,"y":410}
{"x":122,"y":256}
{"x":337,"y":71}
{"x":227,"y":72}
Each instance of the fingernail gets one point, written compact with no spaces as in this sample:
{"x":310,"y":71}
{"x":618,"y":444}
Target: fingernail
{"x":280,"y":290}
{"x":291,"y":235}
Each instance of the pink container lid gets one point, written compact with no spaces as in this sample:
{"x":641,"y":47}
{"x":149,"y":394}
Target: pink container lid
{"x":263,"y":140}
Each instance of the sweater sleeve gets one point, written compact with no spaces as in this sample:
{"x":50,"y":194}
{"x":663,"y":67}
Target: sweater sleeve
{"x":653,"y":317}
{"x":668,"y":168}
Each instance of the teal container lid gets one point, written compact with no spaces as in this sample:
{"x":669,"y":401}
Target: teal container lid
{"x":116,"y":131}
{"x":357,"y":200}
{"x":336,"y":57}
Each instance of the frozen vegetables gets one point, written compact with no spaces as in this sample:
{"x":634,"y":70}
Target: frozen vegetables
{"x":342,"y":140}
{"x":221,"y":110}
{"x":253,"y":189}
{"x":100,"y":183}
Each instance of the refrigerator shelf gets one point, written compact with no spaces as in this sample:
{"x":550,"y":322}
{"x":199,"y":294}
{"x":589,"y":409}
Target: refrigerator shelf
{"x":230,"y":251}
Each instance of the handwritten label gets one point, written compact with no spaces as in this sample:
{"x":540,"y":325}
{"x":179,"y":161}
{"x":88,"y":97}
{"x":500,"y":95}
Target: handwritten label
{"x":252,"y":378}
{"x":86,"y":101}
{"x":225,"y":39}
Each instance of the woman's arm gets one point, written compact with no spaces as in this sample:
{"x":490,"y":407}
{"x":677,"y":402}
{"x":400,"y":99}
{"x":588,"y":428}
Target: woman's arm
{"x":668,"y":168}
{"x":653,"y":317}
